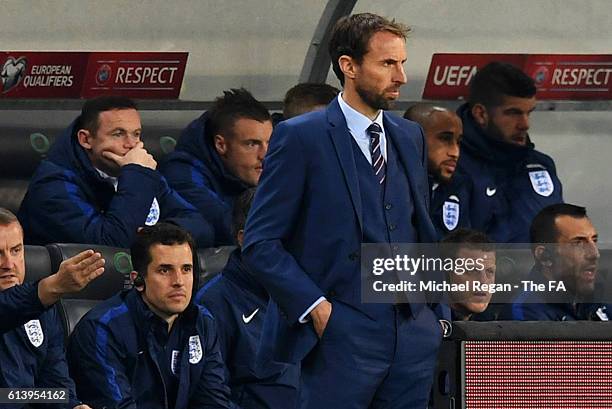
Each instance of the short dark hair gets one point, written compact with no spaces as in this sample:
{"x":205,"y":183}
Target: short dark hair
{"x":161,"y":233}
{"x":543,"y":228}
{"x":468,"y":239}
{"x":235,"y":104}
{"x":7,"y":217}
{"x":92,"y":108}
{"x":242,"y":205}
{"x":497,"y":80}
{"x":351,"y":35}
{"x":303,"y":97}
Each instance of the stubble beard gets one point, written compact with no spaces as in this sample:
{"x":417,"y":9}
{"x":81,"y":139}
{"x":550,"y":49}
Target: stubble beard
{"x":373,"y":100}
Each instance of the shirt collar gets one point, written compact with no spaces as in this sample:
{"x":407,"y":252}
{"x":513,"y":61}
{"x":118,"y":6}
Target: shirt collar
{"x":113,"y":180}
{"x":357,"y":122}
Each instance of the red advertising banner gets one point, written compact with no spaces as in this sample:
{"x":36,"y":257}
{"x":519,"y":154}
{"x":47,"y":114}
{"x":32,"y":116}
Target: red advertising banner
{"x":29,"y":74}
{"x":557,"y":76}
{"x":571,"y":76}
{"x":137,"y":75}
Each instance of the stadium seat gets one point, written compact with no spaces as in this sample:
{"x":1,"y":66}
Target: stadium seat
{"x":38,"y":263}
{"x":73,"y":310}
{"x":116,"y":270}
{"x":212,"y":260}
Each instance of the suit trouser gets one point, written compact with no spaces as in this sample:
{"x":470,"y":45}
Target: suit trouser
{"x":360,"y":362}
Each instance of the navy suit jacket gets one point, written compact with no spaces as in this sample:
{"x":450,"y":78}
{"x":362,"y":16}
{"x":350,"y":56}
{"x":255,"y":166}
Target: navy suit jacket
{"x":304,"y":231}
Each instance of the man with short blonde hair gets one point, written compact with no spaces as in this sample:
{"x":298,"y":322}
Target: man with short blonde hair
{"x":31,"y":332}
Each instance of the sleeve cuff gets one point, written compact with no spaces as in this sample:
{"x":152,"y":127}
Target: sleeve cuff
{"x":304,"y":317}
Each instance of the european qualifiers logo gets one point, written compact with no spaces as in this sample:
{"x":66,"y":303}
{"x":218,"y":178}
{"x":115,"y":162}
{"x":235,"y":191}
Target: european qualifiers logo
{"x":78,"y":74}
{"x":13,"y":70}
{"x":49,"y":75}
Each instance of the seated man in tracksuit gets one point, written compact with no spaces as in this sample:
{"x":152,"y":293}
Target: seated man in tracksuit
{"x":564,"y":247}
{"x":31,"y":332}
{"x":470,"y":244}
{"x":511,"y":180}
{"x":219,"y":156}
{"x":238,"y":303}
{"x":150,"y":346}
{"x":99,"y":185}
{"x":450,"y":190}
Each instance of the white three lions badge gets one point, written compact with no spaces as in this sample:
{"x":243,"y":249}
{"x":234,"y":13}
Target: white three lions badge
{"x":153,"y":216}
{"x":450,"y":212}
{"x":195,"y":349}
{"x":174,"y":363}
{"x":34,"y":332}
{"x":542,"y":182}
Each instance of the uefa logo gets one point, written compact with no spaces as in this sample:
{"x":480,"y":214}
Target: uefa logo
{"x":13,"y":70}
{"x":540,"y":75}
{"x":103,"y":74}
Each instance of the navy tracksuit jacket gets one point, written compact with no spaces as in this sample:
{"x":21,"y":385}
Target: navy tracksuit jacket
{"x":195,"y":170}
{"x":511,"y":183}
{"x":119,"y":358}
{"x":32,"y":346}
{"x":450,"y":204}
{"x":19,"y":304}
{"x":239,"y":303}
{"x":68,"y":201}
{"x":533,"y":306}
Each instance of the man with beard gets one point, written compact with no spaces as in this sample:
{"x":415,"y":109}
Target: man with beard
{"x":450,"y":191}
{"x":334,"y":179}
{"x":564,"y":246}
{"x":219,"y":156}
{"x":511,"y":180}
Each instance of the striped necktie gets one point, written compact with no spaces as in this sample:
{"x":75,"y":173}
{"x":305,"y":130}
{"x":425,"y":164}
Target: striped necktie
{"x":378,"y":162}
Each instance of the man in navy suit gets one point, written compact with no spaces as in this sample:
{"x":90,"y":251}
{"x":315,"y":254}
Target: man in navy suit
{"x":332,"y":180}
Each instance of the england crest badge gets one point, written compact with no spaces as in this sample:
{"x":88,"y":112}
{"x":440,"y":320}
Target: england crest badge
{"x":542,"y":182}
{"x":34,"y":332}
{"x":450,"y":213}
{"x":153,"y":216}
{"x":195,"y":349}
{"x":175,"y":361}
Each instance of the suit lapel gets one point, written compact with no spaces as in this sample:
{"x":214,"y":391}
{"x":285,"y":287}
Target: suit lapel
{"x":341,"y":139}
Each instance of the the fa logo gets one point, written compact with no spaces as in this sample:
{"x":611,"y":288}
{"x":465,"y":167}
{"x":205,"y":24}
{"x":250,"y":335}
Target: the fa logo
{"x":450,"y":214}
{"x":34,"y":332}
{"x":542,"y":182}
{"x":195,"y":349}
{"x":154,"y":212}
{"x":174,"y":363}
{"x":13,"y":71}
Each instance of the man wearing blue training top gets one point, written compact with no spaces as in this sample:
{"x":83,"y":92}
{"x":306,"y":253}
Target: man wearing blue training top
{"x":564,"y":247}
{"x":150,"y":346}
{"x":511,"y":180}
{"x":99,"y":185}
{"x":239,"y":302}
{"x":31,"y":331}
{"x":450,"y":190}
{"x":219,"y":156}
